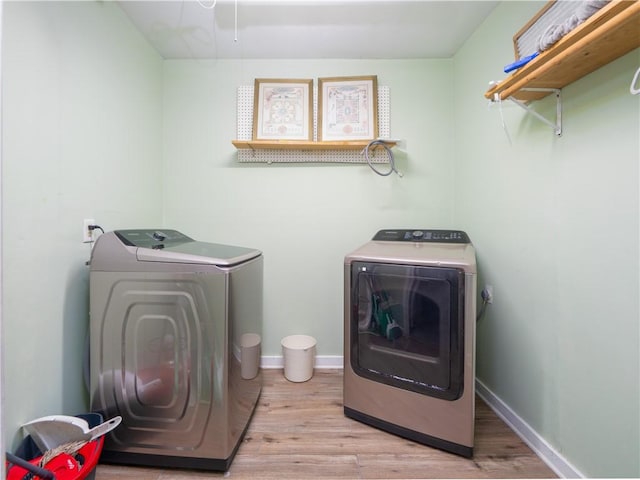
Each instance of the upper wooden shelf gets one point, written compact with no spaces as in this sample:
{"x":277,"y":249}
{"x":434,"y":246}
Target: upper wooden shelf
{"x":608,"y":34}
{"x":302,"y":145}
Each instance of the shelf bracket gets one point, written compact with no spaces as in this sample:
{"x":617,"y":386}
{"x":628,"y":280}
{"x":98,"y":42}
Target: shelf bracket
{"x":557,"y":126}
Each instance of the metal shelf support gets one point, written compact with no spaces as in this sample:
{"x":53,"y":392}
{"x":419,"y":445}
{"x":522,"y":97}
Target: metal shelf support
{"x":557,"y":126}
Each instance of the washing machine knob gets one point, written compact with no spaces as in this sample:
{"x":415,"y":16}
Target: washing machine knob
{"x":417,"y":234}
{"x":159,"y":236}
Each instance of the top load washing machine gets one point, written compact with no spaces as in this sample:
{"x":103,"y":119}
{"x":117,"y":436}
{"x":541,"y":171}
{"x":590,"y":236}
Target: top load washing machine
{"x":175,"y":336}
{"x":409,"y":336}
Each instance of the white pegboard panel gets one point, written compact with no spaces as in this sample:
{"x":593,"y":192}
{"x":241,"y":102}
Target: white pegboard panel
{"x":244,"y":131}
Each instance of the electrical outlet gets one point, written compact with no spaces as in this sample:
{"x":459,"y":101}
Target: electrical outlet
{"x":87,"y":235}
{"x":487,"y":293}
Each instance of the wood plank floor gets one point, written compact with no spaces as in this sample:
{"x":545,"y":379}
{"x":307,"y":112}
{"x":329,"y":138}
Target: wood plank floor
{"x":299,"y":431}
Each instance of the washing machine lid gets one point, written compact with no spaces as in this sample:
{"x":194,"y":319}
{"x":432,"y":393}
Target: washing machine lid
{"x":171,"y":246}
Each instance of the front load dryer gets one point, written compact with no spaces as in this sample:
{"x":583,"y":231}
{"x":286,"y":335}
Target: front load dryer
{"x":175,"y":335}
{"x":409,"y":336}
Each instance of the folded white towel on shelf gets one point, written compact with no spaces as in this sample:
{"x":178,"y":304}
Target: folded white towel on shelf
{"x":555,"y":32}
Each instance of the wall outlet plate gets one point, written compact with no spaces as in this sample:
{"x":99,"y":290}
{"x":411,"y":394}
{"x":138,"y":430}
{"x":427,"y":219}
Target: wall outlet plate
{"x":87,"y":235}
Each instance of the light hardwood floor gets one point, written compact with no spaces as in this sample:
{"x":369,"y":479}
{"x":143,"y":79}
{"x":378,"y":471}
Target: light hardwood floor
{"x":299,"y":431}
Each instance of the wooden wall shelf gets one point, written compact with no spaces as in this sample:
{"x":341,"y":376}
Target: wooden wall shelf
{"x":608,"y":34}
{"x":302,"y":145}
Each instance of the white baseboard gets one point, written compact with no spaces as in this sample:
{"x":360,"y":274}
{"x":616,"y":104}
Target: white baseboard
{"x":539,"y":445}
{"x":322,"y":361}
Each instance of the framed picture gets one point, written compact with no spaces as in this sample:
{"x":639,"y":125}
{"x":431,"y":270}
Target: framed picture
{"x":348,"y":108}
{"x":283,"y":109}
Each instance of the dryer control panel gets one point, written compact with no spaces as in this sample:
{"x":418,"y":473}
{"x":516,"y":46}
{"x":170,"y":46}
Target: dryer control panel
{"x":424,"y":235}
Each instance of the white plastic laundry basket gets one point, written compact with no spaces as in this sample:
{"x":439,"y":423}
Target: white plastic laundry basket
{"x":299,"y":352}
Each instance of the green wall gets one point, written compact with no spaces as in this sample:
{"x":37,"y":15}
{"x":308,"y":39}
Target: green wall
{"x":304,"y":217}
{"x":82,"y":112}
{"x":555,"y":222}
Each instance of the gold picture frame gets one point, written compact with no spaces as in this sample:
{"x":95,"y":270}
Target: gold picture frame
{"x":348,"y":108}
{"x":283,"y":109}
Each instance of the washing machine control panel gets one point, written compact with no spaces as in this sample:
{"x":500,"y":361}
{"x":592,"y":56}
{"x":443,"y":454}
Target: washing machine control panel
{"x":434,"y":236}
{"x":152,"y":238}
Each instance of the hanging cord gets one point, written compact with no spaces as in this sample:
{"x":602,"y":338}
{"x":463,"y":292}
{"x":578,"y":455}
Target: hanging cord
{"x":187,"y":34}
{"x":392,"y":162}
{"x":498,"y":100}
{"x":91,"y":243}
{"x":483,"y":308}
{"x":633,"y":89}
{"x":235,"y":22}
{"x":485,"y":301}
{"x":504,"y":124}
{"x":208,"y":7}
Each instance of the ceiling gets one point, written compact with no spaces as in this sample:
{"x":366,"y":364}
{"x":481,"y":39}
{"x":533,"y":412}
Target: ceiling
{"x":307,"y":28}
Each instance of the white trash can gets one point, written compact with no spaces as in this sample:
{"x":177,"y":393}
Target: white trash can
{"x":299,"y":352}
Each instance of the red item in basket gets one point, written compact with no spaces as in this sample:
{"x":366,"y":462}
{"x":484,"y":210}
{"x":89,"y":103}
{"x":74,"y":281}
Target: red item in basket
{"x":65,"y":466}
